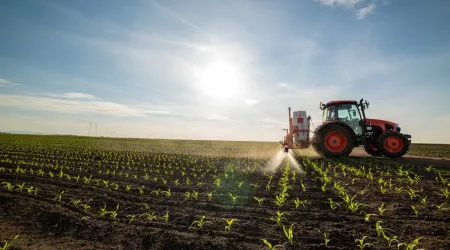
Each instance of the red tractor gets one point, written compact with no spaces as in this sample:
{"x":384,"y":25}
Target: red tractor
{"x":345,"y":126}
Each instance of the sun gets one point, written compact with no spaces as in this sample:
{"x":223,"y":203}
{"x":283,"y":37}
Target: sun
{"x":219,"y":80}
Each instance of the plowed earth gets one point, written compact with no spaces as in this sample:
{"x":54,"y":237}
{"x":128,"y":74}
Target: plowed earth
{"x":44,"y":221}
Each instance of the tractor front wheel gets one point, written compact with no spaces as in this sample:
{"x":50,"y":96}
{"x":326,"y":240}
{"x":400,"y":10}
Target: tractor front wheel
{"x":334,"y":141}
{"x":393,"y":144}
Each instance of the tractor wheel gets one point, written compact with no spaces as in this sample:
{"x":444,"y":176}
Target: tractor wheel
{"x":393,"y":144}
{"x":372,"y":150}
{"x":334,"y":141}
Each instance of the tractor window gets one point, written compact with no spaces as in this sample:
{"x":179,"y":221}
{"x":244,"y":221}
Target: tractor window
{"x":350,"y":115}
{"x":346,"y":113}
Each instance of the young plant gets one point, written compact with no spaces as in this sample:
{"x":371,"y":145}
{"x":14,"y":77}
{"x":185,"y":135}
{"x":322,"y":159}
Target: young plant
{"x":233,"y":197}
{"x":333,"y":205}
{"x":279,"y":218}
{"x":416,"y":212}
{"x":8,"y":186}
{"x":445,"y":192}
{"x":229,"y":223}
{"x":131,"y":218}
{"x":438,"y":207}
{"x":381,"y":209}
{"x":424,"y":201}
{"x":150,"y":216}
{"x":269,"y":245}
{"x":7,"y":245}
{"x":289,"y":234}
{"x":360,"y":243}
{"x":199,"y":223}
{"x":325,"y":238}
{"x":114,"y":213}
{"x":166,"y":217}
{"x":410,"y":246}
{"x":390,"y":240}
{"x":259,"y":200}
{"x":210,"y":196}
{"x":103,"y":211}
{"x":194,"y":194}
{"x":367,"y":216}
{"x":59,"y":197}
{"x":302,"y":186}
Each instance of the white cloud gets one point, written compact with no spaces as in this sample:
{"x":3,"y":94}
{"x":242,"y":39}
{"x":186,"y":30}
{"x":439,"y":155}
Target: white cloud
{"x":363,"y":12}
{"x":74,"y":95}
{"x":4,"y":82}
{"x":217,"y":117}
{"x":282,"y":85}
{"x":75,"y":106}
{"x":354,"y":5}
{"x":344,"y":3}
{"x":250,"y":101}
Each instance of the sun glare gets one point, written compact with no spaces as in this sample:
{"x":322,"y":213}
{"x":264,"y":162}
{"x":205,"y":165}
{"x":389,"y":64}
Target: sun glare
{"x":220,"y":80}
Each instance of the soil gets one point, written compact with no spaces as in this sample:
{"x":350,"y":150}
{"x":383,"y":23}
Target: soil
{"x":45,"y":222}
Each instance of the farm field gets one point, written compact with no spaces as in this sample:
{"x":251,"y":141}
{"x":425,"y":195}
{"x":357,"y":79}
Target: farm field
{"x":62,"y":192}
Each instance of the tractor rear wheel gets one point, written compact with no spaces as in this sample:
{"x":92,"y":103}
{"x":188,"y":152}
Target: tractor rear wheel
{"x":334,"y":141}
{"x":372,"y":149}
{"x":393,"y":144}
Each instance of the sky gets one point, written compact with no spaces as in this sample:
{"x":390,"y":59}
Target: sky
{"x":220,"y":69}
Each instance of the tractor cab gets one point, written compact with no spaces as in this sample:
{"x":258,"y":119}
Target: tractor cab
{"x":346,"y":112}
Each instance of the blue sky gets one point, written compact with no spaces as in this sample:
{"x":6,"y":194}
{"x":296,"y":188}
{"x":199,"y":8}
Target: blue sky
{"x":220,"y":69}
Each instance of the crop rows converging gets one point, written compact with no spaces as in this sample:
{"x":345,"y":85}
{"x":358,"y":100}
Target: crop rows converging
{"x":346,"y":203}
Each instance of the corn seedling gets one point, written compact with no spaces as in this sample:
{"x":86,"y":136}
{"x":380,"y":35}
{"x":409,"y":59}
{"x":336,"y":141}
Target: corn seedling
{"x":424,"y":201}
{"x":325,"y":239}
{"x":59,"y":197}
{"x":187,"y":195}
{"x":86,"y":207}
{"x":199,"y":223}
{"x":360,"y":242}
{"x":20,"y":187}
{"x":390,"y":240}
{"x":333,"y":205}
{"x":289,"y":234}
{"x":445,"y":192}
{"x":168,"y":193}
{"x":381,"y":209}
{"x":279,"y":218}
{"x":103,"y":211}
{"x":194,"y":194}
{"x":141,"y":190}
{"x":7,"y":245}
{"x":259,"y":200}
{"x":210,"y":196}
{"x":442,"y":179}
{"x":131,"y":218}
{"x":412,"y":193}
{"x":379,"y":228}
{"x":233,"y":197}
{"x":229,"y":223}
{"x":8,"y":186}
{"x":416,"y":212}
{"x":114,"y":213}
{"x":367,"y":216}
{"x":166,"y":217}
{"x":439,"y":207}
{"x":269,"y":245}
{"x":302,"y":186}
{"x":410,"y":246}
{"x":150,"y":216}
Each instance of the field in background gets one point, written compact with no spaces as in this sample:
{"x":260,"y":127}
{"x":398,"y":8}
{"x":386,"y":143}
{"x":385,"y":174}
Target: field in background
{"x":61,"y":192}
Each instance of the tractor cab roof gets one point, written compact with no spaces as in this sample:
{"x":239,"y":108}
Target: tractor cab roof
{"x":341,"y":102}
